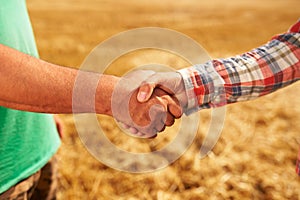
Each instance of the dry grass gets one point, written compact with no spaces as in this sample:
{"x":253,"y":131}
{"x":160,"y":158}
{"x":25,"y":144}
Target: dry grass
{"x":255,"y":156}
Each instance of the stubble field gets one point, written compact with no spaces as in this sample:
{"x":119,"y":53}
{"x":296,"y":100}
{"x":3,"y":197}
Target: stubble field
{"x":256,"y":153}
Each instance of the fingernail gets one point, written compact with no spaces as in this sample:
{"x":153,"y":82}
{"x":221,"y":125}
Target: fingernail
{"x":142,"y":96}
{"x":139,"y":133}
{"x":125,"y":126}
{"x":133,"y":130}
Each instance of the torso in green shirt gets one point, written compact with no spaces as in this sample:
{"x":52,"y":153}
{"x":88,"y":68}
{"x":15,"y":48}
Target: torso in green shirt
{"x":27,"y":140}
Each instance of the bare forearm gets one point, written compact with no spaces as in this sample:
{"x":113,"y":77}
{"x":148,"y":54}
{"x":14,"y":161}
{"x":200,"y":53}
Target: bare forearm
{"x":32,"y":84}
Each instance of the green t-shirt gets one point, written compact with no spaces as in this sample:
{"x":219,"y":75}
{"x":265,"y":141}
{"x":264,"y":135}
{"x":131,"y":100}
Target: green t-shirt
{"x":27,"y":140}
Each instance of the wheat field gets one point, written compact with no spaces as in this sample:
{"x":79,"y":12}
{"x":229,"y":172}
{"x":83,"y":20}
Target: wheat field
{"x":256,"y":153}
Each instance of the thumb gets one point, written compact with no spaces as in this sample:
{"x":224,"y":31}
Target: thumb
{"x":145,"y":92}
{"x":160,"y":80}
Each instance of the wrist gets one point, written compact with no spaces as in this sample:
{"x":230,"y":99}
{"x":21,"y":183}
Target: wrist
{"x":104,"y":92}
{"x":181,"y":94}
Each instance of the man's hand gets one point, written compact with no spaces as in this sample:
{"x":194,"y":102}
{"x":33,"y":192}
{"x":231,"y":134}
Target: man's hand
{"x":171,"y":82}
{"x":147,"y":118}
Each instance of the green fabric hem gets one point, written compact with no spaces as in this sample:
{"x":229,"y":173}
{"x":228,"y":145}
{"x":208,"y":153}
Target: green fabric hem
{"x":30,"y":171}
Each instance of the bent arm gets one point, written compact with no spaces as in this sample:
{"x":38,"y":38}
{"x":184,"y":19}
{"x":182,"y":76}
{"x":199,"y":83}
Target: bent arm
{"x":31,"y":84}
{"x":256,"y":73}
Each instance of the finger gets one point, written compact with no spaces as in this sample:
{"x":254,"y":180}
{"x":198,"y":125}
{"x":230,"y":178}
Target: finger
{"x":157,"y":80}
{"x":145,"y":92}
{"x":149,"y":133}
{"x":133,"y":130}
{"x":140,"y":134}
{"x":175,"y":109}
{"x":125,"y":126}
{"x":163,"y":128}
{"x":173,"y":104}
{"x":170,"y":120}
{"x":160,"y":126}
{"x":152,"y":137}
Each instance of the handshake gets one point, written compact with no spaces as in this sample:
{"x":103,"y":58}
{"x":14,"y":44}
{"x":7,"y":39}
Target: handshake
{"x":145,"y":102}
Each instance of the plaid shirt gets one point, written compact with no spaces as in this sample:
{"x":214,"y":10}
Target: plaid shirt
{"x":253,"y":74}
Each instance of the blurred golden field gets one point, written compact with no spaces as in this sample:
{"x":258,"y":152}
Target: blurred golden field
{"x":256,"y":154}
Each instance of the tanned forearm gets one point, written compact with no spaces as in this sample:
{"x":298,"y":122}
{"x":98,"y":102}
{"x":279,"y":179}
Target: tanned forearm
{"x":31,"y":84}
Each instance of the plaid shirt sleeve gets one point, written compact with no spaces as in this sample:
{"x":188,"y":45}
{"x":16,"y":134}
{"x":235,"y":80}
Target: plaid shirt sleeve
{"x":244,"y":77}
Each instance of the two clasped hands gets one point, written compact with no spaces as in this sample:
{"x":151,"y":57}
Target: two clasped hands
{"x":145,"y":102}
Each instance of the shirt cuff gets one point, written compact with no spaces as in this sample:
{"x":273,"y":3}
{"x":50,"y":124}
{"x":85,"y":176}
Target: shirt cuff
{"x":204,"y":87}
